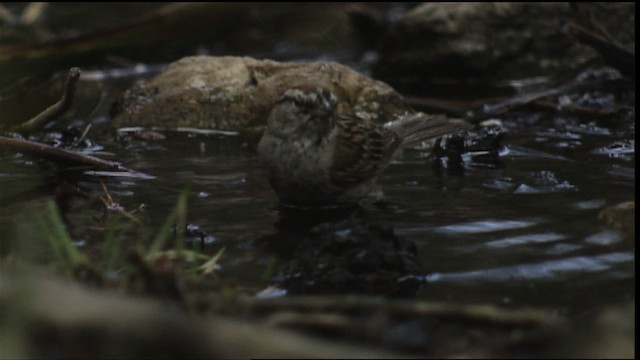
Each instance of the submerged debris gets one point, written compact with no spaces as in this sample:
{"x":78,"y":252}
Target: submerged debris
{"x":352,"y":256}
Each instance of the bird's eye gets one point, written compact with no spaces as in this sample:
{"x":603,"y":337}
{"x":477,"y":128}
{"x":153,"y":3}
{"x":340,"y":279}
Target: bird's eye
{"x":299,"y":102}
{"x":302,"y":103}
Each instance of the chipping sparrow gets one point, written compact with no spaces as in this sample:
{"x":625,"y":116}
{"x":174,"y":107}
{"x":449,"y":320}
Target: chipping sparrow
{"x":317,"y":157}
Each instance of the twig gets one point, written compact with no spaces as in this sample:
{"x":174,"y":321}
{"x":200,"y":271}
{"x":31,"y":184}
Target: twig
{"x":111,"y":205}
{"x":84,"y":134}
{"x":55,"y":110}
{"x":585,"y":111}
{"x":490,"y":110}
{"x":59,"y":155}
{"x":613,"y":53}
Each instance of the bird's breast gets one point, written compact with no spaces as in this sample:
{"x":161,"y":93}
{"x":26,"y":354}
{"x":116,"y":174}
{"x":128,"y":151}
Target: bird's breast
{"x":296,"y":161}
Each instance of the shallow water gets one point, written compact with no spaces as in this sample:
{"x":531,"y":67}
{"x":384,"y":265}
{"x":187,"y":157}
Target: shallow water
{"x":523,"y":233}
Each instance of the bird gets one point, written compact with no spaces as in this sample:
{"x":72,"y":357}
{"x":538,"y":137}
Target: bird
{"x":317,"y":156}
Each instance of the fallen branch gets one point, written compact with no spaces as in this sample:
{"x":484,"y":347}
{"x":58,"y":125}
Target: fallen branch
{"x":491,"y":110}
{"x":614,"y":54}
{"x":58,"y":155}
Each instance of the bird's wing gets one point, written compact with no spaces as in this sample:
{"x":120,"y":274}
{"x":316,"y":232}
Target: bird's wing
{"x":418,"y":127}
{"x":363,"y":149}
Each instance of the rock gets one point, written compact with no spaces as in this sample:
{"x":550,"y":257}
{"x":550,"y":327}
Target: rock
{"x":620,"y":217}
{"x":463,"y":42}
{"x":237,"y":93}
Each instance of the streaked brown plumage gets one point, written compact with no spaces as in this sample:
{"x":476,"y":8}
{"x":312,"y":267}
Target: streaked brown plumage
{"x":318,"y":157}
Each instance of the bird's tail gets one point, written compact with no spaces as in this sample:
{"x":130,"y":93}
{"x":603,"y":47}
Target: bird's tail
{"x":418,"y":127}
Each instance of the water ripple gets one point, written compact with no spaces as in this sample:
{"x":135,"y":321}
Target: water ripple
{"x":485,"y":226}
{"x":525,"y":239}
{"x":547,"y":270}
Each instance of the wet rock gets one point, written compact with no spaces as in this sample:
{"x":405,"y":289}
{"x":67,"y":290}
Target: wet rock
{"x":352,"y":257}
{"x":237,"y":93}
{"x":463,"y":42}
{"x":483,"y":144}
{"x":620,"y":217}
{"x":619,"y":149}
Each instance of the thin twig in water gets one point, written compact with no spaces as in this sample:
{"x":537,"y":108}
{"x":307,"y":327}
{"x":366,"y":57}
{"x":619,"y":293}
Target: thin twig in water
{"x":490,"y":110}
{"x":44,"y":151}
{"x":84,"y":134}
{"x":111,"y":205}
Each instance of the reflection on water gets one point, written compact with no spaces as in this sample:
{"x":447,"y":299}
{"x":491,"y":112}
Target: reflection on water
{"x":488,"y":225}
{"x":524,"y":239}
{"x":557,"y":270}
